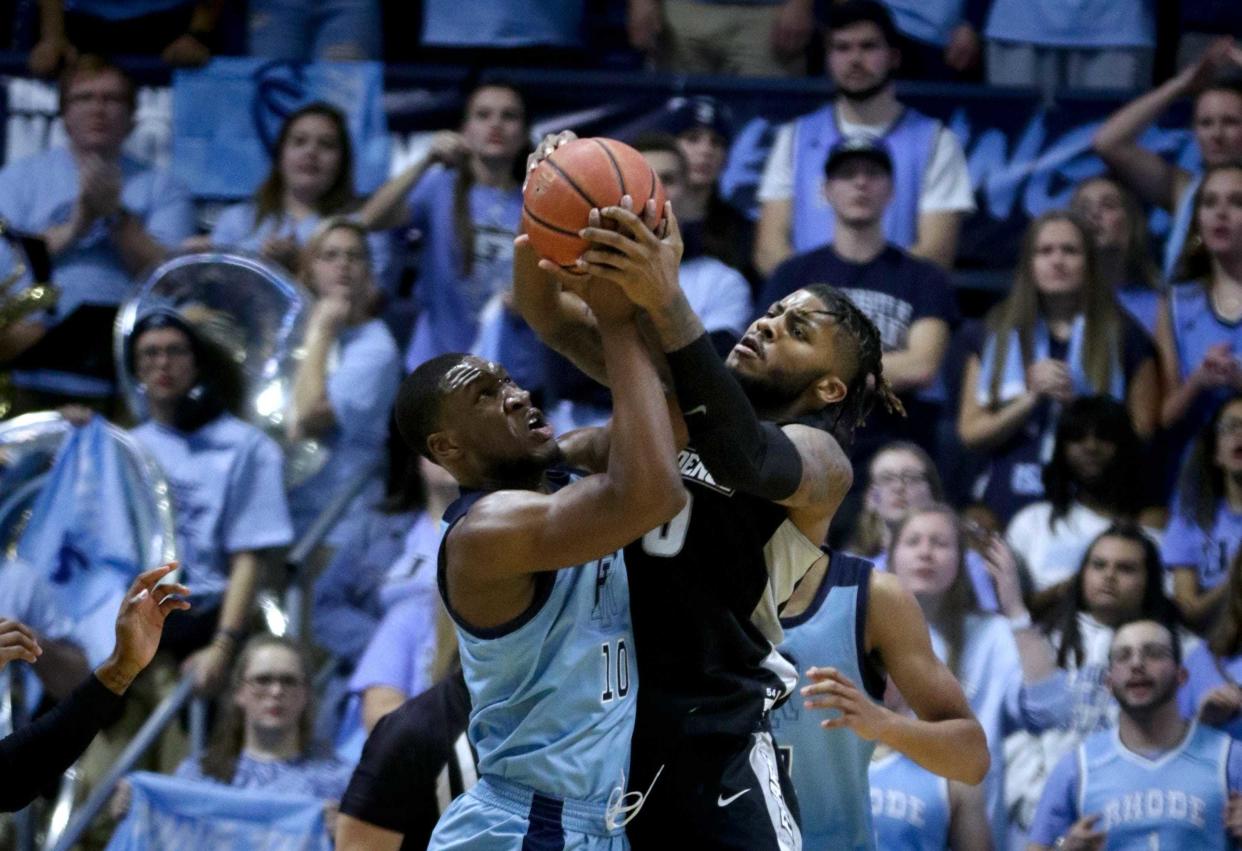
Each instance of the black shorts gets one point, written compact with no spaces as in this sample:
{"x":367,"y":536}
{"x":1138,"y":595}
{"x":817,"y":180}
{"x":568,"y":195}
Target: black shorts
{"x":720,"y":793}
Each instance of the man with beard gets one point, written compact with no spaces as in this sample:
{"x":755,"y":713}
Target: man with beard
{"x":531,"y":571}
{"x":931,"y":186}
{"x":1158,"y":780}
{"x":764,"y":472}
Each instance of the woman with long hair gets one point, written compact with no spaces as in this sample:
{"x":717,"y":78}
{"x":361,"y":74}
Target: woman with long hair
{"x":1095,"y":478}
{"x":312,"y":177}
{"x":1005,"y":666}
{"x":262,"y":737}
{"x":1120,"y":230}
{"x":1199,"y":333}
{"x":1058,"y":335}
{"x":1205,"y":531}
{"x":1120,"y":578}
{"x":465,"y":197}
{"x":1212,"y":691}
{"x":346,"y":382}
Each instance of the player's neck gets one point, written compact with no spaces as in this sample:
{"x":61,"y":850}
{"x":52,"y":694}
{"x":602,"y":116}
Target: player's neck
{"x":1160,"y":729}
{"x":882,"y":108}
{"x":858,"y":243}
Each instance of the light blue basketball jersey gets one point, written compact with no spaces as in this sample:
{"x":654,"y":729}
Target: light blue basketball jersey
{"x":909,"y":805}
{"x":911,"y":140}
{"x":1196,"y":328}
{"x":1175,"y":802}
{"x":829,"y":767}
{"x":552,"y":692}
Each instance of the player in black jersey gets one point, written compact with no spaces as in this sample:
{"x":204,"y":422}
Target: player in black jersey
{"x":765,"y":471}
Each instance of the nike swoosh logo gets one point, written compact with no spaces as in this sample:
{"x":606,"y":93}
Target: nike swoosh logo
{"x":722,"y":801}
{"x":698,"y":409}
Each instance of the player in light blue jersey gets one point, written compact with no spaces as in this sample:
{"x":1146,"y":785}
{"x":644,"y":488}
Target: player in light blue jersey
{"x":856,"y":625}
{"x":915,"y":810}
{"x":532,"y":572}
{"x":1155,"y":782}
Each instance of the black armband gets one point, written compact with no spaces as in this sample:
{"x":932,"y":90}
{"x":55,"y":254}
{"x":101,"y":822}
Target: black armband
{"x":739,"y":450}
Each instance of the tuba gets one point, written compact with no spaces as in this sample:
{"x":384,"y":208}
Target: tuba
{"x":253,"y":312}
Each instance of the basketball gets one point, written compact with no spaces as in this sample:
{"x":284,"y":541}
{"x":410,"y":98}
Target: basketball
{"x":576,"y":177}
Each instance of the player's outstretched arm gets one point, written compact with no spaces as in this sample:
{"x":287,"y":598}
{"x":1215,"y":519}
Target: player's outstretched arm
{"x":944,"y":737}
{"x":516,"y":533}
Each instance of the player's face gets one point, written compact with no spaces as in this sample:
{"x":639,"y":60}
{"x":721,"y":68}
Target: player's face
{"x":1229,"y":439}
{"x":310,"y":158}
{"x":705,"y":152}
{"x":669,"y":169}
{"x":899,"y":485}
{"x":1220,"y":213}
{"x":925,"y":555}
{"x":164,"y":364}
{"x":1113,"y":579}
{"x":859,"y":59}
{"x":495,"y":124}
{"x":273,"y":692}
{"x":1141,"y":670}
{"x":1100,"y":202}
{"x":859,"y":190}
{"x":340,"y":264}
{"x":1089,"y":457}
{"x":1218,"y":126}
{"x":494,"y":422}
{"x":1059,"y":263}
{"x":786,"y":351}
{"x":97,"y":113}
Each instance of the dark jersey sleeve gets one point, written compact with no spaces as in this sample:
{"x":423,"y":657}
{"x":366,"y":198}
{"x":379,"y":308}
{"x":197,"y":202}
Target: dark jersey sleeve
{"x":35,"y":755}
{"x":394,"y":785}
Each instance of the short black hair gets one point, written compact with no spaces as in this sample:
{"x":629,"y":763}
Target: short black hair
{"x":417,"y":409}
{"x":1175,"y":640}
{"x":853,"y":12}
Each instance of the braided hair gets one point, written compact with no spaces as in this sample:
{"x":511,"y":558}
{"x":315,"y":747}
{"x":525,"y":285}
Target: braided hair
{"x":840,"y":419}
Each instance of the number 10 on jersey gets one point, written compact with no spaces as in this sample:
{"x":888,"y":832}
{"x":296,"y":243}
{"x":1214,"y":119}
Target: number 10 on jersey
{"x":616,"y":670}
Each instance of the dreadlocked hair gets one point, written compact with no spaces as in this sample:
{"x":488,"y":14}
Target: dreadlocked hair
{"x":867,"y":383}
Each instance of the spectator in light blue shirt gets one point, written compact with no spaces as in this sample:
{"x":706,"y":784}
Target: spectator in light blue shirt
{"x":311,"y":179}
{"x":107,"y":219}
{"x":346,"y":383}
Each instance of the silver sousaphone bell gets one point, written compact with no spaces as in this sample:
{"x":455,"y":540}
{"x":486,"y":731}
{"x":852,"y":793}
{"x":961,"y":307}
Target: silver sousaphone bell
{"x":253,"y":311}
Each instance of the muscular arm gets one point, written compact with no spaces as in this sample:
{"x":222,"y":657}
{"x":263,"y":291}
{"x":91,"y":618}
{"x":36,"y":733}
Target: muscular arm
{"x":938,"y":232}
{"x":510,"y":535}
{"x":916,"y":366}
{"x":980,"y":427}
{"x":772,"y":244}
{"x":1154,"y":179}
{"x":944,"y":738}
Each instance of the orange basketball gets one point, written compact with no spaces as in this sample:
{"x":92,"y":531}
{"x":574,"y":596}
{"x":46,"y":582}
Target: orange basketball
{"x":576,"y":177}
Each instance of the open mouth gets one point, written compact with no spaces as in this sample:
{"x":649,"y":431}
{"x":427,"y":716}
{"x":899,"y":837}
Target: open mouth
{"x":538,"y":425}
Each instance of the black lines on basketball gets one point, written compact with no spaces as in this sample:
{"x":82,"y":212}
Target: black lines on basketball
{"x":571,"y":182}
{"x":546,"y":224}
{"x":616,"y":167}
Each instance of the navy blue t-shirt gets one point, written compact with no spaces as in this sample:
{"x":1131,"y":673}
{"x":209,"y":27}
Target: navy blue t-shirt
{"x":894,"y":289}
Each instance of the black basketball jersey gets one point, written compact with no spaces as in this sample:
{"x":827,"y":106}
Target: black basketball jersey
{"x":704,"y":593}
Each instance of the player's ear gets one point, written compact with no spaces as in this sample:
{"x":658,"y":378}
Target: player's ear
{"x":443,"y":446}
{"x":830,"y":389}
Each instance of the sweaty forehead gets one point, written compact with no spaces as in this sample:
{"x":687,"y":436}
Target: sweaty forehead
{"x":467,"y":372}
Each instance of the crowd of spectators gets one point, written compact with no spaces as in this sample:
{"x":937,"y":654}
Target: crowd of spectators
{"x":1068,"y":462}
